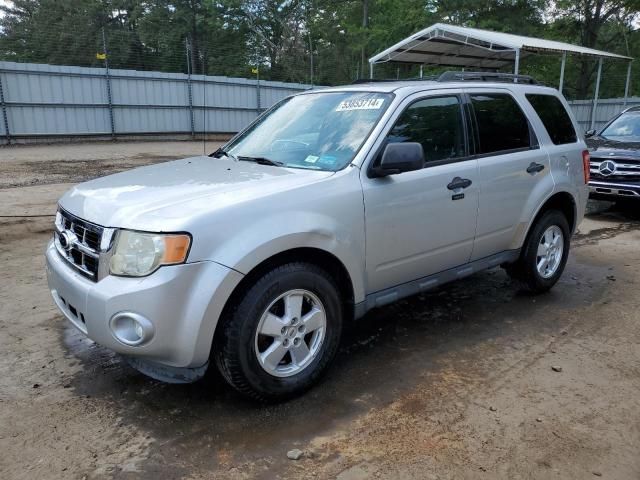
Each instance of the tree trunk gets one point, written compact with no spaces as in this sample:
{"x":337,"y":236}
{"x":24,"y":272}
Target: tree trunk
{"x":590,"y":31}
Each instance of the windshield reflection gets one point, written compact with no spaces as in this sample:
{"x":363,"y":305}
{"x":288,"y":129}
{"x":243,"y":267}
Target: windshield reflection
{"x":321,"y":131}
{"x":625,"y":128}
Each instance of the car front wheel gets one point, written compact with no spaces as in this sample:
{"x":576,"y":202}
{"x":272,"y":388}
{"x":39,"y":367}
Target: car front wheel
{"x":281,"y":335}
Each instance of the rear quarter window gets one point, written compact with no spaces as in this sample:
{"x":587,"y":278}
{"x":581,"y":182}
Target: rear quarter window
{"x":554,"y":118}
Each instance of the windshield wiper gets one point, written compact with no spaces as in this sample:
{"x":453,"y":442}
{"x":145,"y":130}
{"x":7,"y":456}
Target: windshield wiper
{"x":261,"y":160}
{"x":220,"y":152}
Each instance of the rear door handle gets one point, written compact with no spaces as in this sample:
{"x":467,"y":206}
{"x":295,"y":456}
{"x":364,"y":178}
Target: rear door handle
{"x":459,"y":183}
{"x":534,"y":168}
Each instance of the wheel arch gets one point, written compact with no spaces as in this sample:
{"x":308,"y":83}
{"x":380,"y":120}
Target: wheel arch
{"x":232,"y":341}
{"x":316,"y":256}
{"x":564,"y":202}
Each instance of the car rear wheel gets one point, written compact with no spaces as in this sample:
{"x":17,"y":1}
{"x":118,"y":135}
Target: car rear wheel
{"x":281,"y":335}
{"x":544,"y":253}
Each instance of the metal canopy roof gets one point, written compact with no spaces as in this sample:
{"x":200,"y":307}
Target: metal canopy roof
{"x":443,"y":44}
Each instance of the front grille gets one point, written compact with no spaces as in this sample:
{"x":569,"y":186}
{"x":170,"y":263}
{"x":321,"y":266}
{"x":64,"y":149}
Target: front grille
{"x":615,"y":178}
{"x":78,"y":241}
{"x":625,"y":169}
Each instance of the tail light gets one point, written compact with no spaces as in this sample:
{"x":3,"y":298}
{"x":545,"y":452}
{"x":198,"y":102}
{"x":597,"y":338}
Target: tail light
{"x":586,"y":165}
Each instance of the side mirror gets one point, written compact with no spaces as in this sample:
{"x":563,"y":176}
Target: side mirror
{"x":589,"y":133}
{"x":398,"y":158}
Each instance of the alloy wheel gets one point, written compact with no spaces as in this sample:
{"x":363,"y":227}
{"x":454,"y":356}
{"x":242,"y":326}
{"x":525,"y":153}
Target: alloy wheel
{"x":290,"y":333}
{"x":550,"y":250}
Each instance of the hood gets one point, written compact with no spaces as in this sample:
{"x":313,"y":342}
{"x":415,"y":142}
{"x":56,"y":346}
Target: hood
{"x":602,"y":147}
{"x":163,"y":197}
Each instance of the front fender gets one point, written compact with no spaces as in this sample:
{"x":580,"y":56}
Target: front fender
{"x":274,"y":235}
{"x":327,"y":215}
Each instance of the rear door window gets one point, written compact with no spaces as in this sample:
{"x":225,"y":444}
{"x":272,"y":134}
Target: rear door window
{"x":502,"y":125}
{"x":554,"y":118}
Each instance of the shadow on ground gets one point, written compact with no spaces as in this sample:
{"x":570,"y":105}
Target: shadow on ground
{"x":382,"y":355}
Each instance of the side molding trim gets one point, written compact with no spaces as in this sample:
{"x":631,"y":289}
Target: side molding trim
{"x":392,"y":294}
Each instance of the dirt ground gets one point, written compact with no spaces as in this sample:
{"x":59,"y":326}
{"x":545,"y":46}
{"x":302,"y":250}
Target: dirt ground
{"x":456,"y":383}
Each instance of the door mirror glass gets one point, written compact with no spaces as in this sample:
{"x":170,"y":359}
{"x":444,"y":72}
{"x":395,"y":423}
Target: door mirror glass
{"x":400,"y":157}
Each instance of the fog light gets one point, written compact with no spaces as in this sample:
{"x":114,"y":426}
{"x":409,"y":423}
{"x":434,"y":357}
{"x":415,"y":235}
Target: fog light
{"x":131,"y":328}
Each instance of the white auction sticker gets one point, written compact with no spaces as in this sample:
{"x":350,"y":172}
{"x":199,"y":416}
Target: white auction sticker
{"x":311,"y":159}
{"x":363,"y":104}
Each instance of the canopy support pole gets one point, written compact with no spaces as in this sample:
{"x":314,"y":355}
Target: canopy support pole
{"x":516,"y":67}
{"x":595,"y":96}
{"x":626,"y":85}
{"x":370,"y":70}
{"x":562,"y":65}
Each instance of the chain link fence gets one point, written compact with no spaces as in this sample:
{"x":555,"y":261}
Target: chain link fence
{"x":256,"y":58}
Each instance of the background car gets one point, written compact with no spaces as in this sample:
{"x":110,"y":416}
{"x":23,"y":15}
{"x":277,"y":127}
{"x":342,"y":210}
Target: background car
{"x":615,"y":158}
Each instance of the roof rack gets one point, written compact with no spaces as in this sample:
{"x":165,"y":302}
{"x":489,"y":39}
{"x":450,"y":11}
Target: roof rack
{"x":454,"y":76}
{"x":431,"y":78}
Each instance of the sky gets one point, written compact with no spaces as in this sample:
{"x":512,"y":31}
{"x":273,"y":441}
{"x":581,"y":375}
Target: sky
{"x":3,"y":2}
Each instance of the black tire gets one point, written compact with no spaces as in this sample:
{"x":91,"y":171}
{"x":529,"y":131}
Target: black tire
{"x":525,"y":271}
{"x":234,"y":347}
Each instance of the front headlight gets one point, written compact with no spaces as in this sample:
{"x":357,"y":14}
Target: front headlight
{"x":137,"y":254}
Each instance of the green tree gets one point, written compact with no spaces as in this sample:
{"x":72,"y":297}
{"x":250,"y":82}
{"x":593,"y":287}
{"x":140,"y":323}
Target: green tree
{"x":523,"y":17}
{"x":600,"y":24}
{"x":52,"y":31}
{"x":296,"y":40}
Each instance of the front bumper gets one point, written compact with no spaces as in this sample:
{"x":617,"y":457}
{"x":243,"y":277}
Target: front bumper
{"x":614,"y":190}
{"x":183,"y":302}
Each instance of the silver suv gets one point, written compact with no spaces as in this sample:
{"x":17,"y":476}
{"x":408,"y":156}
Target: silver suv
{"x":331,"y":203}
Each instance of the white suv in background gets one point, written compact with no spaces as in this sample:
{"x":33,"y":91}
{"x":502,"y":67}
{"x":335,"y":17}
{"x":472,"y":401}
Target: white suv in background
{"x":331,"y":203}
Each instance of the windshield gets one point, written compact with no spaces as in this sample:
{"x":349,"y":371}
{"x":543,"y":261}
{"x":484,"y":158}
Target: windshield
{"x":625,"y":128}
{"x":321,"y":131}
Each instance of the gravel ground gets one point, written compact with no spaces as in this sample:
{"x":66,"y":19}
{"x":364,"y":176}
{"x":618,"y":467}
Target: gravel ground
{"x":456,"y":383}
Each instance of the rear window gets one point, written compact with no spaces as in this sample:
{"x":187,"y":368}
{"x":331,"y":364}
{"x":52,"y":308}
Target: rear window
{"x":502,"y":126}
{"x":554,"y":118}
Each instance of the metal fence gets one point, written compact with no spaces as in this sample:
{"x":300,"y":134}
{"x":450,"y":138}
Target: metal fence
{"x":47,"y":101}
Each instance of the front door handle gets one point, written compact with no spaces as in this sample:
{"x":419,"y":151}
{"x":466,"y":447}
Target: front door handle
{"x":534,"y":168}
{"x":459,"y":183}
